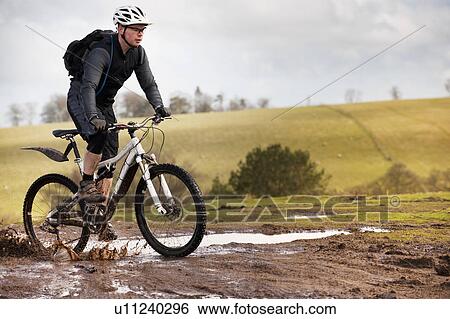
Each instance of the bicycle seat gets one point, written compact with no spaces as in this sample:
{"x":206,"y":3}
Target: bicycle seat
{"x":59,"y":133}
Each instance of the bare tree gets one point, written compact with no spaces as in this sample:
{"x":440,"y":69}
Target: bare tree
{"x":234,"y":105}
{"x":202,"y":102}
{"x":180,"y":105}
{"x":263,"y":102}
{"x":204,"y":105}
{"x":218,"y":103}
{"x":30,"y":112}
{"x":447,"y":85}
{"x":243,"y":103}
{"x":55,"y":110}
{"x":198,"y":93}
{"x":353,"y":96}
{"x":15,"y":114}
{"x":350,"y":96}
{"x":395,"y":93}
{"x":135,"y":105}
{"x":237,"y":104}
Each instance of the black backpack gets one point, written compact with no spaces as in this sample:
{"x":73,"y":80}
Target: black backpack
{"x":78,"y":49}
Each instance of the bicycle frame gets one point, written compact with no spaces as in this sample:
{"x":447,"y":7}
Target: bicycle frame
{"x":135,"y":154}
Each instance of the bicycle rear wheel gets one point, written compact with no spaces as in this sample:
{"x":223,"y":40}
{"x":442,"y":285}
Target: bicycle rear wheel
{"x":180,"y":231}
{"x":43,"y":196}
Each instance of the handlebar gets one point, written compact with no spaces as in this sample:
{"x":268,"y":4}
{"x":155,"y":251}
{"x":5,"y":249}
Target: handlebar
{"x":156,"y":119}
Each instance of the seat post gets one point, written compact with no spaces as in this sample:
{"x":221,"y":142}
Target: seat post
{"x":78,"y":159}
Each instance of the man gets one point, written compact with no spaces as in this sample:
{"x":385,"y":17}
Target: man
{"x":107,"y":66}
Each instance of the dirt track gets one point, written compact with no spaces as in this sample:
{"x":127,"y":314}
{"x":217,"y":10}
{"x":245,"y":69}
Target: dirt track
{"x":359,"y":265}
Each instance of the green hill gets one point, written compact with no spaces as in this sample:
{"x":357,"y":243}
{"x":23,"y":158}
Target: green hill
{"x":355,"y":143}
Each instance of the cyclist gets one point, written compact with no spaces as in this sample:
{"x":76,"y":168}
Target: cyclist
{"x":109,"y":63}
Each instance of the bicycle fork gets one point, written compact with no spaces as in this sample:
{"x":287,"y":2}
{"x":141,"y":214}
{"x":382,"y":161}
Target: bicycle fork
{"x":136,"y":155}
{"x":151,"y":188}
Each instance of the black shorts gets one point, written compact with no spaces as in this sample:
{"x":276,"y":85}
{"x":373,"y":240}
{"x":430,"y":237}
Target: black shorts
{"x":106,"y":143}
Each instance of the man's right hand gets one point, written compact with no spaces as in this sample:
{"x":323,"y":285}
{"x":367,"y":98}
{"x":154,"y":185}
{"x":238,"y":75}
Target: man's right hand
{"x":99,"y":124}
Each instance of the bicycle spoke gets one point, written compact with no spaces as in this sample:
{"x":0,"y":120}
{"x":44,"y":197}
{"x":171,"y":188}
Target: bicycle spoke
{"x":171,"y":231}
{"x":49,"y":196}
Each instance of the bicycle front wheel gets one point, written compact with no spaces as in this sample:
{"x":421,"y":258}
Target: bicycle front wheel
{"x":43,"y":196}
{"x":180,"y":231}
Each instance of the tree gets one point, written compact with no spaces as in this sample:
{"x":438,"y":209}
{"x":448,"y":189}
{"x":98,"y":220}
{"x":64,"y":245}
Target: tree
{"x":219,"y":188}
{"x":218,"y":103}
{"x":202,"y":102}
{"x":243,"y":103}
{"x":352,"y":96}
{"x":237,"y":104}
{"x":447,"y":85}
{"x":263,"y":103}
{"x":55,"y":110}
{"x":15,"y":114}
{"x":438,"y":181}
{"x":395,"y":93}
{"x":278,"y":171}
{"x":30,"y":112}
{"x":135,"y":105}
{"x":180,"y":105}
{"x":398,"y":179}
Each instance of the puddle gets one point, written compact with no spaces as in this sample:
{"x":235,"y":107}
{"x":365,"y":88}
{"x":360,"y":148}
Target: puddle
{"x":227,"y":238}
{"x":257,"y":238}
{"x":373,"y":229}
{"x":213,"y":243}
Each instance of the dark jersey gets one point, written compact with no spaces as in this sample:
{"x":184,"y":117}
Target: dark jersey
{"x":116,"y":68}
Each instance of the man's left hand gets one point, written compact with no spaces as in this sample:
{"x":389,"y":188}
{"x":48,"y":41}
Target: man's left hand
{"x":162,"y":111}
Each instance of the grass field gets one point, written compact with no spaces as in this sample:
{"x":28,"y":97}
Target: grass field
{"x":354,"y":143}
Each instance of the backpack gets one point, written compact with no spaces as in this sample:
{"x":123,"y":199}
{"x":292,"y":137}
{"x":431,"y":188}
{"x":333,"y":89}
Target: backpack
{"x":78,"y":49}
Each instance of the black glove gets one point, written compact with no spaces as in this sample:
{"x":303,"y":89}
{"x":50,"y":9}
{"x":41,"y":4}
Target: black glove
{"x":161,"y":111}
{"x":99,"y":124}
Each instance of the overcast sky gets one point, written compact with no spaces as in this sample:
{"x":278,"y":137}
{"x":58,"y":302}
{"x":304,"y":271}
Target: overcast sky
{"x":280,"y":49}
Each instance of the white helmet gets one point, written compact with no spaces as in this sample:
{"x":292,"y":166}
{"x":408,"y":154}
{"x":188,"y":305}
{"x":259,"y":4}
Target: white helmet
{"x":128,"y":15}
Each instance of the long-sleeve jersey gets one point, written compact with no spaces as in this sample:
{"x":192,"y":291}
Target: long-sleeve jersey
{"x":105,"y":73}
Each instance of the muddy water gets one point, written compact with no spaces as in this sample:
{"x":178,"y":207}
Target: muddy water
{"x":373,"y":229}
{"x":218,"y":243}
{"x":256,"y":238}
{"x":139,"y":245}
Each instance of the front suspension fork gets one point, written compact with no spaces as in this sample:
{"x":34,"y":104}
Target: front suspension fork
{"x":151,"y":188}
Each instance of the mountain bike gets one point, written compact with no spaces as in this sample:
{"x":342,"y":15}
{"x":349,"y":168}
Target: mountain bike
{"x":168,"y":203}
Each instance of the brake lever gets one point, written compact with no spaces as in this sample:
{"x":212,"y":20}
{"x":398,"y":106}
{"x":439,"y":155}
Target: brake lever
{"x":157,"y":119}
{"x":116,"y":127}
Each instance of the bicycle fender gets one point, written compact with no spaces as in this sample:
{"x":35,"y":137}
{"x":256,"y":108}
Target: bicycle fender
{"x":51,"y":153}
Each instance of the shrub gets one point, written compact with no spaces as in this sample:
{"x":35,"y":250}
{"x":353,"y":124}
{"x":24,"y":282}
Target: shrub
{"x":438,"y":181}
{"x":219,"y":188}
{"x":277,"y":171}
{"x":398,"y":179}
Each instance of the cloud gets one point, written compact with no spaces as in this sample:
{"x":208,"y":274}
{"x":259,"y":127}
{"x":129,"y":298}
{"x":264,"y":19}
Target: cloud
{"x":283,"y":49}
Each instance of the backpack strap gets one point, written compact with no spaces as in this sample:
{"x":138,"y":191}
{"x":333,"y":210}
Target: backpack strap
{"x":141,"y":55}
{"x":109,"y":66}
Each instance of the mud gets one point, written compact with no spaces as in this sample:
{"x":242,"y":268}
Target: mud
{"x":346,"y":265}
{"x":15,"y":244}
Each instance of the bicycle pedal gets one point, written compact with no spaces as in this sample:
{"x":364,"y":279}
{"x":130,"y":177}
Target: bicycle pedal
{"x":94,"y":217}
